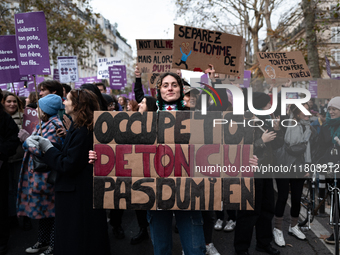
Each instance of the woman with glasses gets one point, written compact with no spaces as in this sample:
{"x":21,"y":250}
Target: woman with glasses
{"x":79,"y":228}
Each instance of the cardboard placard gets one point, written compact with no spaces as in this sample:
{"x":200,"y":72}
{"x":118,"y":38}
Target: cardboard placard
{"x":173,"y":160}
{"x":154,"y":56}
{"x":195,"y":48}
{"x":328,"y":88}
{"x":173,"y":193}
{"x":125,"y":127}
{"x":153,"y":77}
{"x":155,"y":148}
{"x":279,"y":67}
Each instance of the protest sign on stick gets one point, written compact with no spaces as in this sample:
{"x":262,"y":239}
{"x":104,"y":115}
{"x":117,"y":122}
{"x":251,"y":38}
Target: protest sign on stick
{"x":154,"y":56}
{"x":117,"y":75}
{"x":280,"y":67}
{"x":9,"y":65}
{"x":195,"y":48}
{"x":68,"y":69}
{"x":104,"y":64}
{"x":32,"y":43}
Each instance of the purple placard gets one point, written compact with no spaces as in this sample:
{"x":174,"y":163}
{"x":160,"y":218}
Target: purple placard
{"x":32,"y":43}
{"x":108,"y":90}
{"x":56,"y":74}
{"x":122,"y":95}
{"x":313,"y":89}
{"x":9,"y":66}
{"x":82,"y":81}
{"x":205,"y":78}
{"x":30,"y":119}
{"x":117,"y":75}
{"x":30,"y":83}
{"x":3,"y":86}
{"x":246,"y":79}
{"x":17,"y":87}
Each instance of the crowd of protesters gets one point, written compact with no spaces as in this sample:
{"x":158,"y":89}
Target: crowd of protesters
{"x":47,"y":175}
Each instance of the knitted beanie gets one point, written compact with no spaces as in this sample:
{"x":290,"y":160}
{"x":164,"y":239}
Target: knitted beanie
{"x":260,"y":100}
{"x":335,"y":102}
{"x":50,"y":104}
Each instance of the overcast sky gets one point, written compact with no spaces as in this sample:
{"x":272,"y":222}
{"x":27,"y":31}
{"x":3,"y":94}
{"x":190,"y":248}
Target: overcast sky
{"x":136,"y":19}
{"x":150,"y":19}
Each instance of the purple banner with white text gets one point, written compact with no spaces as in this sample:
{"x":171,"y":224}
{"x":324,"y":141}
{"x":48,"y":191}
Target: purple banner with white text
{"x":32,"y":43}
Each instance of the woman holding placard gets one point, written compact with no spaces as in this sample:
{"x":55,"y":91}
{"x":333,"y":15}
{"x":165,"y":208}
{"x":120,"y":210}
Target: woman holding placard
{"x":80,"y":229}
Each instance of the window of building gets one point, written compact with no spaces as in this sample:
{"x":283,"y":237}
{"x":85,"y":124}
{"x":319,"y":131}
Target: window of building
{"x":336,"y":57}
{"x":335,"y":35}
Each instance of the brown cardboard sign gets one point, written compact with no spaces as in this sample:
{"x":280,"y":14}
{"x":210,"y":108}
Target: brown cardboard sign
{"x":226,"y":161}
{"x":328,"y":88}
{"x":154,"y":77}
{"x":279,"y":67}
{"x":235,"y":79}
{"x":195,"y":48}
{"x":173,"y":193}
{"x":154,"y":56}
{"x":125,"y":127}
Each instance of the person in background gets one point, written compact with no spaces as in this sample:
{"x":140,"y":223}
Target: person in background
{"x":266,"y":140}
{"x":317,"y":124}
{"x":299,"y":146}
{"x":93,"y":88}
{"x":123,"y":102}
{"x":79,"y":228}
{"x":35,"y":195}
{"x":326,"y":144}
{"x":31,"y":100}
{"x":50,"y":87}
{"x":66,"y":89}
{"x":190,"y":97}
{"x":111,"y":104}
{"x":101,"y":87}
{"x":132,"y":105}
{"x":8,"y":144}
{"x":14,"y":107}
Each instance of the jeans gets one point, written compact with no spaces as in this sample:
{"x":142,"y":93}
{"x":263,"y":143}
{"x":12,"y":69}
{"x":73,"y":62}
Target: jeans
{"x":190,"y":228}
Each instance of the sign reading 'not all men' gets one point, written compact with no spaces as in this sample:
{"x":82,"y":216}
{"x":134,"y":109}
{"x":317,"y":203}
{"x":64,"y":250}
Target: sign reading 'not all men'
{"x":32,"y":43}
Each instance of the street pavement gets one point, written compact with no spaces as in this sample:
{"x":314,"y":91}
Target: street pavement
{"x":20,"y":239}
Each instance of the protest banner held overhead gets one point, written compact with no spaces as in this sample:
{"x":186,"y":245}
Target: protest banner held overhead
{"x":279,"y":67}
{"x":104,"y":64}
{"x":68,"y":69}
{"x":117,"y":76}
{"x":154,"y":56}
{"x":32,"y":43}
{"x":195,"y":48}
{"x":9,"y":65}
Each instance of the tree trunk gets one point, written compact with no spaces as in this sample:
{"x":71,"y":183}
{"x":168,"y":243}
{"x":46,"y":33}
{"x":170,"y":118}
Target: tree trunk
{"x":311,"y":40}
{"x":267,"y":14}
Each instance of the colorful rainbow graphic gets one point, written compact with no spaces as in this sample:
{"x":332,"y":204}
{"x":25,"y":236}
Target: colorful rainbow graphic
{"x":212,"y":89}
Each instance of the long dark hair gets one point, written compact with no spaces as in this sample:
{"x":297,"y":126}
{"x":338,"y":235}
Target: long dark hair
{"x":96,"y":91}
{"x":179,"y":101}
{"x":151,"y":103}
{"x":85,"y":102}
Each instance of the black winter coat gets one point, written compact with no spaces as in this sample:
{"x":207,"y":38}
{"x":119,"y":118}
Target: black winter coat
{"x":80,"y":229}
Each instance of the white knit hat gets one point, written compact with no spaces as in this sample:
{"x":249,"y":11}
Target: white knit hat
{"x":335,"y":102}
